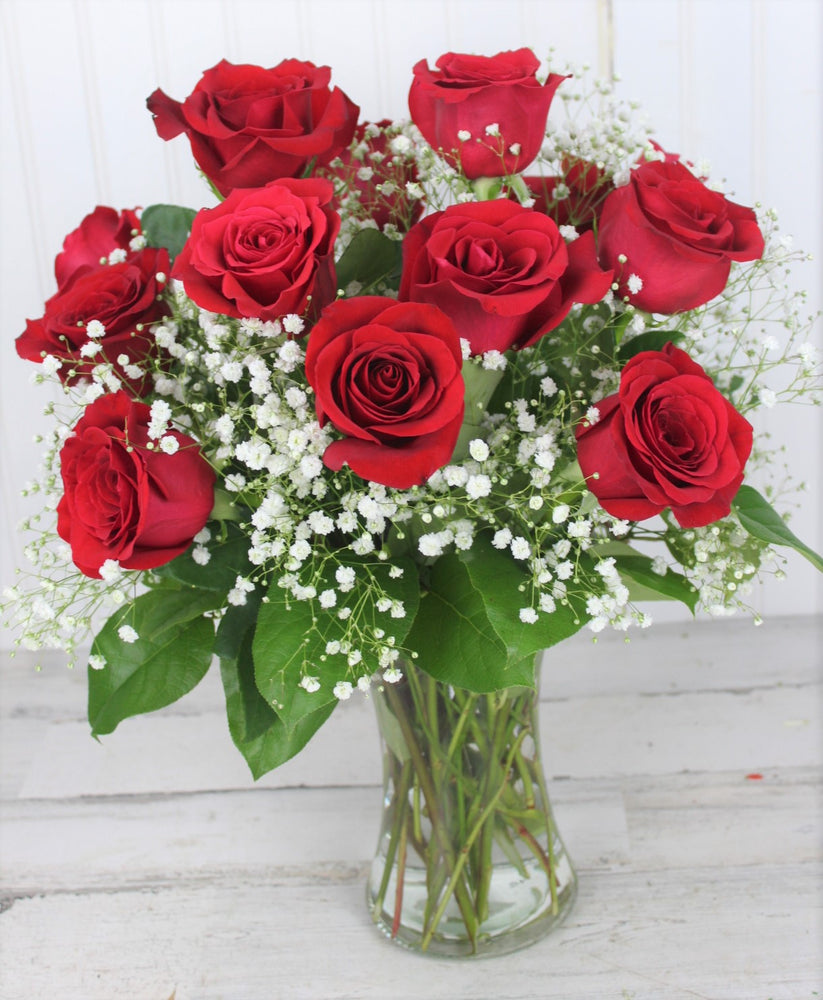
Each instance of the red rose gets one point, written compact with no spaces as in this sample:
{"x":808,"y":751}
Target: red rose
{"x":125,"y":298}
{"x":588,"y":186}
{"x":677,"y":235}
{"x":123,"y":501}
{"x":472,"y":93}
{"x":668,"y":438}
{"x":380,"y":177}
{"x":263,"y":253}
{"x":388,"y":376}
{"x":248,"y":125}
{"x":101,"y":232}
{"x":503,"y":273}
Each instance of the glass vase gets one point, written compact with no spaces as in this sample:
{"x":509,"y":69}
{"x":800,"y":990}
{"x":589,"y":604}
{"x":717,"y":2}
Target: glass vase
{"x":469,"y":860}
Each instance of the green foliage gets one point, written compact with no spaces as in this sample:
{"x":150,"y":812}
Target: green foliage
{"x":760,"y":519}
{"x":167,"y":226}
{"x":170,"y":657}
{"x":651,"y":340}
{"x":256,"y":730}
{"x":468,"y":630}
{"x":646,"y":585}
{"x":228,"y":560}
{"x":371,"y":259}
{"x":291,"y":637}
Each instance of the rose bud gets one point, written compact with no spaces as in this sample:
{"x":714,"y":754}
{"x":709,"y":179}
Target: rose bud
{"x":485,"y":114}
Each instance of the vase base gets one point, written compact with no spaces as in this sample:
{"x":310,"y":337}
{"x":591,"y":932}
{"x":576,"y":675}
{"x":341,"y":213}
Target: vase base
{"x":521,"y":912}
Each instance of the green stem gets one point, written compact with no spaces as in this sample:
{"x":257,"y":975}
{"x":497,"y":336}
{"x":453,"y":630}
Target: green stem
{"x":401,"y":799}
{"x":438,"y":831}
{"x":464,"y":850}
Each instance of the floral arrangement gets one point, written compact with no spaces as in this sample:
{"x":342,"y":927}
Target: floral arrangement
{"x":438,"y":392}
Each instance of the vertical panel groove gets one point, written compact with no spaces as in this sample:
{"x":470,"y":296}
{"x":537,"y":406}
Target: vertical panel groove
{"x":91,"y":84}
{"x":157,"y":34}
{"x":605,"y":39}
{"x":23,"y":122}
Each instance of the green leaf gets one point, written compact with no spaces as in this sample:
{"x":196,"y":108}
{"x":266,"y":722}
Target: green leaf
{"x":228,"y":560}
{"x":167,"y":226}
{"x":762,"y":521}
{"x":256,"y":730}
{"x":291,"y":637}
{"x":453,"y":636}
{"x":170,"y":657}
{"x":370,"y":258}
{"x":505,"y":589}
{"x":468,"y":630}
{"x":646,"y":585}
{"x":652,"y":340}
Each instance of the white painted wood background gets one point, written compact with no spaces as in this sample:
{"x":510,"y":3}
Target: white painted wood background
{"x":148,"y":866}
{"x":735,"y":81}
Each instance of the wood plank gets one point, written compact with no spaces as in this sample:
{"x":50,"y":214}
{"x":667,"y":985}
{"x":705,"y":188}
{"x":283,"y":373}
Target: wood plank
{"x":721,"y":934}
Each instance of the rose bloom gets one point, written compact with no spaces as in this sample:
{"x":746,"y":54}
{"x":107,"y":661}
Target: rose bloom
{"x":388,"y":376}
{"x":263,"y":253}
{"x":248,"y":125}
{"x":123,"y":501}
{"x":678,"y":236}
{"x":471,"y":93}
{"x":668,"y":438}
{"x":588,"y":187}
{"x":125,"y":298}
{"x":99,"y":234}
{"x":382,"y":195}
{"x":503,"y":273}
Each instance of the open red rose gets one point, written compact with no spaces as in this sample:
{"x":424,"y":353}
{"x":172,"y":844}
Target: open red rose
{"x":248,"y":125}
{"x":388,"y":376}
{"x":125,"y":298}
{"x":123,"y":501}
{"x":263,"y":253}
{"x":497,"y":99}
{"x":668,"y":438}
{"x":503,"y":273}
{"x":379,"y":177}
{"x":678,"y":237}
{"x":99,"y":234}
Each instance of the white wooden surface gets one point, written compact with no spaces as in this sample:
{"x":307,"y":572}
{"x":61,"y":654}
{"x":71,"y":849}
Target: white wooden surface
{"x":737,"y":82}
{"x":149,"y":866}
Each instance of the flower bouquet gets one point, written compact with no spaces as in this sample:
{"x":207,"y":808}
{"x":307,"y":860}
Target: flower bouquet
{"x":411,"y":403}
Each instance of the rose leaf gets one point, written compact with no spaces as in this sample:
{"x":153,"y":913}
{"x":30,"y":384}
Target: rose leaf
{"x":288,"y":644}
{"x":760,"y":519}
{"x":256,"y":730}
{"x":652,"y":340}
{"x":170,"y":656}
{"x":506,"y":590}
{"x":370,"y":259}
{"x":167,"y":226}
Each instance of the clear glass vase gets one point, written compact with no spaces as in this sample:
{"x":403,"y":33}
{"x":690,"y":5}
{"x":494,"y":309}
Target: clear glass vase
{"x":469,"y":860}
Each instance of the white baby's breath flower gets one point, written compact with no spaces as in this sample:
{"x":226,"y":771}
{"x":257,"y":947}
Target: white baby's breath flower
{"x":478,"y":486}
{"x":342,"y":690}
{"x":127,"y":634}
{"x":478,"y":449}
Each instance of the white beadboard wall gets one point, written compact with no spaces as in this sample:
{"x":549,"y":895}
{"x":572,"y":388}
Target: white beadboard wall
{"x":737,"y":82}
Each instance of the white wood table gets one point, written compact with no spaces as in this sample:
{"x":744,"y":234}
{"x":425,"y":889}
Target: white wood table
{"x":686,"y":781}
